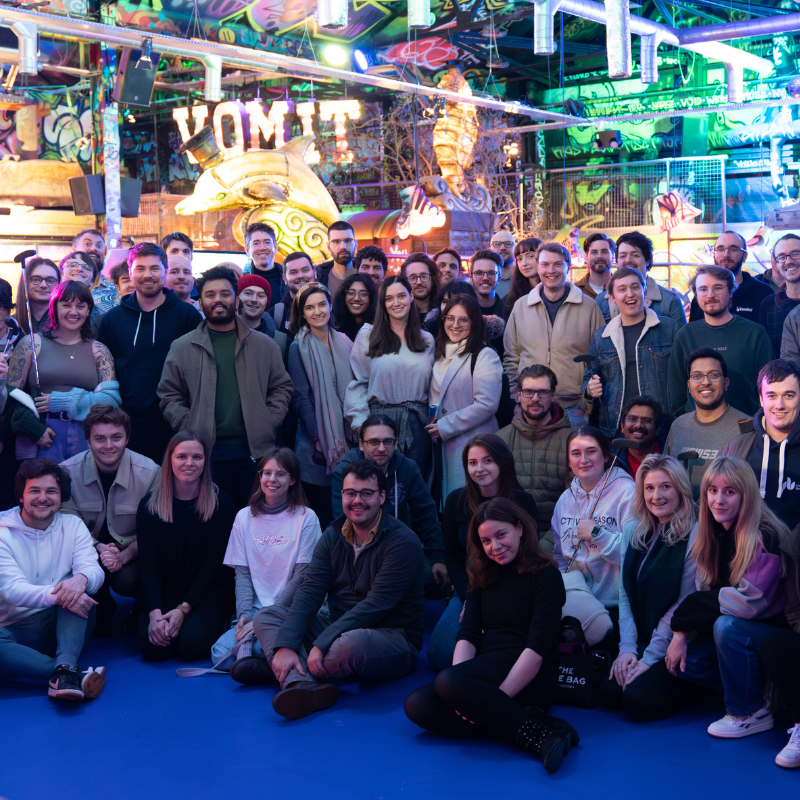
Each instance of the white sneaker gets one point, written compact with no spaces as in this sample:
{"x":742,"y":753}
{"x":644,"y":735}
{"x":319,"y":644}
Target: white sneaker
{"x":730,"y":727}
{"x":789,"y":757}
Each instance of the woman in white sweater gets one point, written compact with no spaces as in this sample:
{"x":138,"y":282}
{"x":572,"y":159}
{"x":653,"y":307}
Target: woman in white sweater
{"x":465,"y":386}
{"x":392,"y":362}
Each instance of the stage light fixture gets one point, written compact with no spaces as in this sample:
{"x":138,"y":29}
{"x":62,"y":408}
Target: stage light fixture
{"x":145,"y":60}
{"x":130,"y":118}
{"x":335,"y":55}
{"x":360,"y":61}
{"x":607,"y":139}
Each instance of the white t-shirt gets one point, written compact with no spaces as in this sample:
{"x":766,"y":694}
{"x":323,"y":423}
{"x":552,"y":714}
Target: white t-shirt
{"x":269,"y":546}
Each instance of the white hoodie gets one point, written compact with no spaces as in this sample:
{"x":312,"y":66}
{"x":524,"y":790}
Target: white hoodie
{"x":32,"y":562}
{"x":599,"y":562}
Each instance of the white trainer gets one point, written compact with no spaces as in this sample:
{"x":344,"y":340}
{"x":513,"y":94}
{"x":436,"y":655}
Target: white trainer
{"x":730,"y":727}
{"x":789,"y":757}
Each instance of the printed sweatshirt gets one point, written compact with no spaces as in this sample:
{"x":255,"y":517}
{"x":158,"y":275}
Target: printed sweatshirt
{"x":600,"y":561}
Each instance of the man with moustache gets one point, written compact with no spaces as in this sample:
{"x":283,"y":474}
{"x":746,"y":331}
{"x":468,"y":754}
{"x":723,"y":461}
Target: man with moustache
{"x":538,"y":439}
{"x":228,"y":383}
{"x":730,"y":252}
{"x":776,"y":308}
{"x":635,"y":250}
{"x":342,"y":247}
{"x":641,"y":422}
{"x":139,"y":332}
{"x":599,"y":250}
{"x":503,"y":244}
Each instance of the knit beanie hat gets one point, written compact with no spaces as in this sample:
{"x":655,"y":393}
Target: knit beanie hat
{"x":258,"y":281}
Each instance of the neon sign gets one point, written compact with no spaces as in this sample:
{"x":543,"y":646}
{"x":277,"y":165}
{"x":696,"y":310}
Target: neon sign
{"x":252,"y":120}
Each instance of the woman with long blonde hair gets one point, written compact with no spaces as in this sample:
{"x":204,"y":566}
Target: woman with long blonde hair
{"x":657,"y":573}
{"x":182,"y":528}
{"x":718,"y":629}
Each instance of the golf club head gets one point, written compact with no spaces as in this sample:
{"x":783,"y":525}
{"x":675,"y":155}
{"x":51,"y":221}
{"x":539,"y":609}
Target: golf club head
{"x":621,"y":444}
{"x":24,"y":256}
{"x":688,"y":455}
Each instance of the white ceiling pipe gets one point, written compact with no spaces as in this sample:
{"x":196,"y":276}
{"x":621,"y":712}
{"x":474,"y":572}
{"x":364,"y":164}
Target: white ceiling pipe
{"x":331,"y":14}
{"x":419,"y":14}
{"x":213,"y":83}
{"x":648,"y":58}
{"x":234,"y":55}
{"x":618,"y":39}
{"x":28,"y":38}
{"x":781,"y":23}
{"x":735,"y":83}
{"x":543,"y":15}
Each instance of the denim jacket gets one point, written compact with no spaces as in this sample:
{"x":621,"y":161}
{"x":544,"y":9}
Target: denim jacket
{"x":652,"y":360}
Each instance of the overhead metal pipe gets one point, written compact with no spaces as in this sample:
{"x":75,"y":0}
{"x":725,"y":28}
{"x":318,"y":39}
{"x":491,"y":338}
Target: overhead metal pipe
{"x":735,"y":83}
{"x":766,"y":26}
{"x":648,"y":58}
{"x":543,"y":25}
{"x":618,"y":39}
{"x":213,"y":83}
{"x":28,"y":40}
{"x":331,"y":14}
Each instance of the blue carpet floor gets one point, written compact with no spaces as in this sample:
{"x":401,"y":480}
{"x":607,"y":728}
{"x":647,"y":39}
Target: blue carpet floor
{"x":154,"y":736}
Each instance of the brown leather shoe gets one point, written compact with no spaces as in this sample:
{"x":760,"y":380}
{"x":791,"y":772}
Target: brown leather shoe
{"x":304,"y":698}
{"x":253,"y":671}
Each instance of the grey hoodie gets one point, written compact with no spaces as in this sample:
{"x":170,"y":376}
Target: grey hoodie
{"x":32,"y":562}
{"x":600,"y":562}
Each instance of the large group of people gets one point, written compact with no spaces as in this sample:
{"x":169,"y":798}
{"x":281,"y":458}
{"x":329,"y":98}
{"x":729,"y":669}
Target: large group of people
{"x":280,"y":466}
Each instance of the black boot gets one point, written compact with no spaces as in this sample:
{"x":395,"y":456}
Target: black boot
{"x":541,"y":740}
{"x":556,"y":723}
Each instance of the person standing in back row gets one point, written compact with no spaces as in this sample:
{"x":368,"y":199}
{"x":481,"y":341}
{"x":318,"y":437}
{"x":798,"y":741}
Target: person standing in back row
{"x":139,"y":332}
{"x":342,"y":247}
{"x":261,"y":245}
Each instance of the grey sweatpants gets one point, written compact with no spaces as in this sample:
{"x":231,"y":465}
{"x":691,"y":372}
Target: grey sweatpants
{"x":376,"y":654}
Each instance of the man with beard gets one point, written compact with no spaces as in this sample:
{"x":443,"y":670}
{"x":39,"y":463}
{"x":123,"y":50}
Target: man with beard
{"x":372,"y":261}
{"x":744,"y":344}
{"x":342,"y":247}
{"x":635,"y":250}
{"x":776,"y":308}
{"x":139,"y":332}
{"x":503,"y":244}
{"x":599,"y":250}
{"x":713,"y":423}
{"x":180,"y":278}
{"x":730,"y":252}
{"x":261,"y":246}
{"x":538,"y":439}
{"x":641,"y":422}
{"x":228,"y":383}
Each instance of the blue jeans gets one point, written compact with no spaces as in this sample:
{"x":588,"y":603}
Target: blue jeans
{"x":731,"y":662}
{"x":443,"y":638}
{"x":228,"y":641}
{"x":34,"y":646}
{"x":69,"y":440}
{"x":577,"y":417}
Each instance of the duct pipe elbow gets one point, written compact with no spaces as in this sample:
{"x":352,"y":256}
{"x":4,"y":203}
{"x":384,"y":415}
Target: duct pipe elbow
{"x":333,"y":14}
{"x":213,"y":87}
{"x":735,"y":82}
{"x":649,"y":58}
{"x":618,"y":38}
{"x":28,"y":39}
{"x":543,"y":26}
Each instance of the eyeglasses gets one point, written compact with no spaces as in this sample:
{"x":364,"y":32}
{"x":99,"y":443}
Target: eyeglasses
{"x":345,"y":242}
{"x":631,"y":420}
{"x":37,"y":281}
{"x":419,"y":278}
{"x":500,"y":244}
{"x":266,"y":474}
{"x":354,"y":295}
{"x":529,"y":394}
{"x":733,"y":250}
{"x":76,"y":265}
{"x":365,"y":494}
{"x":456,"y":322}
{"x":378,"y":442}
{"x":699,"y":377}
{"x":481,"y":274}
{"x":716,"y":289}
{"x":793,"y":256}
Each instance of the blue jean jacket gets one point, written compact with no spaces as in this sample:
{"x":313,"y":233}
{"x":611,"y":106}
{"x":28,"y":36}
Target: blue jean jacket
{"x":652,"y":355}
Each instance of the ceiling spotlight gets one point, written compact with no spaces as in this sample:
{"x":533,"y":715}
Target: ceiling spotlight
{"x":130,"y":118}
{"x":360,"y":60}
{"x":335,"y":55}
{"x":145,"y":60}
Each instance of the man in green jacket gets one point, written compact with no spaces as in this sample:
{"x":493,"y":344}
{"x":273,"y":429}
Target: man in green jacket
{"x":228,"y":383}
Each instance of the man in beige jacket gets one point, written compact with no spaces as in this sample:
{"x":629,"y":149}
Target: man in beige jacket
{"x":554,"y":323}
{"x":228,"y":383}
{"x":108,"y":483}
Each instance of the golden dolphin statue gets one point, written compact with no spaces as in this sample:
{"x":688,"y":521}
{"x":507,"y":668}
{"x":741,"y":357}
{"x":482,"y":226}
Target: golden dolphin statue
{"x":263,"y":178}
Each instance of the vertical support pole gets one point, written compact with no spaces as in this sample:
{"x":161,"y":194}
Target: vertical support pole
{"x":669,"y":239}
{"x":158,"y":176}
{"x":724,"y":192}
{"x":111,"y":170}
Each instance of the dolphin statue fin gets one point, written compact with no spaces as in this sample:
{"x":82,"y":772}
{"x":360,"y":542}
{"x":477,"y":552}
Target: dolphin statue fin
{"x":298,"y":145}
{"x":266,"y":191}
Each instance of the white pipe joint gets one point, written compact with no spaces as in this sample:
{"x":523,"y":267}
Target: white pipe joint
{"x":735,"y":82}
{"x":618,"y":38}
{"x":648,"y":51}
{"x":543,"y":26}
{"x":28,"y":39}
{"x":213,"y":87}
{"x":332,"y":14}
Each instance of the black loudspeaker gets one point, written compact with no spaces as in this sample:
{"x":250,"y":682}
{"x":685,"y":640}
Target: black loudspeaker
{"x":88,"y":197}
{"x":130,"y":192}
{"x":135,"y":78}
{"x":695,"y":136}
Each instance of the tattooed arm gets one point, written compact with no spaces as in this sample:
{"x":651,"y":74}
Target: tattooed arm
{"x":105,"y":362}
{"x":19,"y":364}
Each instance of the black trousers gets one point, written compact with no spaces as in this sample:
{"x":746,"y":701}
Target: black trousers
{"x":150,"y":439}
{"x":320,"y":502}
{"x":199,"y":631}
{"x":780,"y":652}
{"x":124,"y":582}
{"x":471,"y":690}
{"x":236,"y":477}
{"x":655,"y":694}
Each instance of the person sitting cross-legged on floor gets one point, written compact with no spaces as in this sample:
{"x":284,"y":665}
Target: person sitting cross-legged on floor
{"x":108,"y":483}
{"x":48,"y":570}
{"x":504,"y":673}
{"x":270,"y":549}
{"x":370,"y":566}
